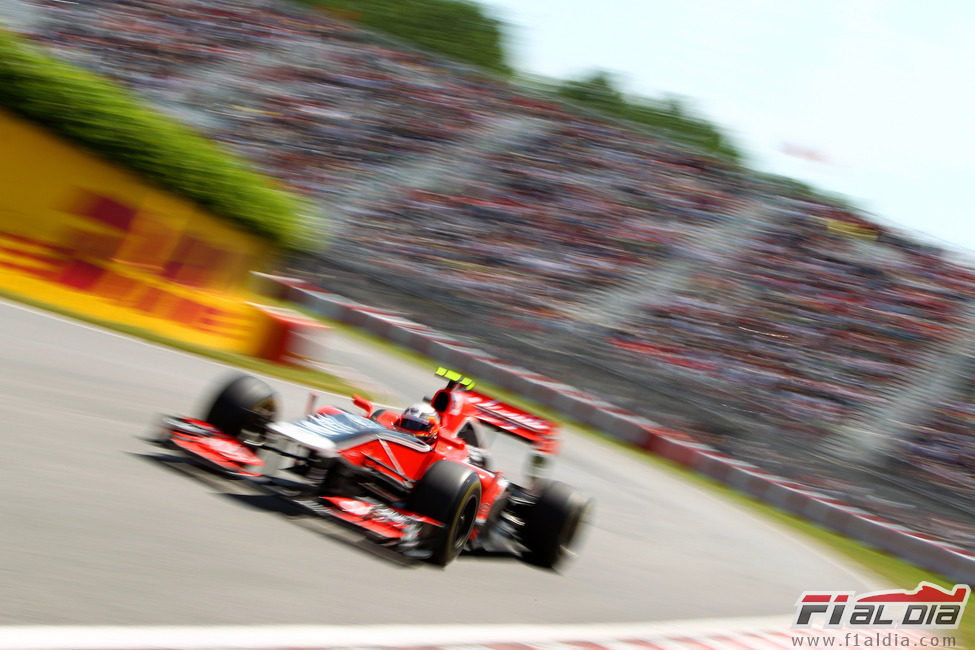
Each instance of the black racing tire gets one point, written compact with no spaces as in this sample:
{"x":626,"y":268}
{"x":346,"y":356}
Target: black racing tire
{"x":245,"y":403}
{"x":450,"y":493}
{"x":553,"y":523}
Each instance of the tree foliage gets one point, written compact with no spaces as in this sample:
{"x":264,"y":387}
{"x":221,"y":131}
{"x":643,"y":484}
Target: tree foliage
{"x":456,"y":29}
{"x":599,"y":91}
{"x":596,"y":91}
{"x":459,"y":30}
{"x":105,"y":119}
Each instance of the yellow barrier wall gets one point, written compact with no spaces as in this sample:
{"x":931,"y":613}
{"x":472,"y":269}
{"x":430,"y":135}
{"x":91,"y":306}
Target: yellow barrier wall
{"x":93,"y":238}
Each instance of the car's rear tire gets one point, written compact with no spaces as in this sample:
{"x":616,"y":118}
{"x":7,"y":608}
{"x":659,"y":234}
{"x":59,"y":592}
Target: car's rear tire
{"x":244,"y":405}
{"x":451,"y":494}
{"x":553,"y":523}
{"x":469,"y":435}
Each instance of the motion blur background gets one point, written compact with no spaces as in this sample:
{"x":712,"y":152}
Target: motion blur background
{"x":621,"y":244}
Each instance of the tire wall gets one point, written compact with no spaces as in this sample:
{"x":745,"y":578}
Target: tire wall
{"x":954,"y":563}
{"x":79,"y":234}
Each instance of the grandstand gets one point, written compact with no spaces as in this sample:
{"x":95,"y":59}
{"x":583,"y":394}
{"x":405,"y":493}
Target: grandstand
{"x":787,"y":330}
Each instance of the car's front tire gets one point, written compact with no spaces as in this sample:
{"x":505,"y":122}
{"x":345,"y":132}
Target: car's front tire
{"x":244,"y":405}
{"x":450,"y":493}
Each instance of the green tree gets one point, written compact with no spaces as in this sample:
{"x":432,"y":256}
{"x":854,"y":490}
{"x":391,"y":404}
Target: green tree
{"x":671,"y":116}
{"x":460,"y":30}
{"x":455,"y":29}
{"x":597,"y":91}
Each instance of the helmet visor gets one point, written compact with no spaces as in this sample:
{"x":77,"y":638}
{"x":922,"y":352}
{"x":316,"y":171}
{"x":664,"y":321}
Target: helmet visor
{"x":410,"y":423}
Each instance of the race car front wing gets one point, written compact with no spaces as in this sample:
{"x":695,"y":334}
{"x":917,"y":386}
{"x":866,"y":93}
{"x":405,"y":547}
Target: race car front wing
{"x":382,"y":523}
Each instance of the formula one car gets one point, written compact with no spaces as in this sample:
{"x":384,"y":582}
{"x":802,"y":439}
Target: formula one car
{"x":429,"y":495}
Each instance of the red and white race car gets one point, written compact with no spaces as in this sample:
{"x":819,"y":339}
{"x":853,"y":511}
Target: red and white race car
{"x":430,"y":494}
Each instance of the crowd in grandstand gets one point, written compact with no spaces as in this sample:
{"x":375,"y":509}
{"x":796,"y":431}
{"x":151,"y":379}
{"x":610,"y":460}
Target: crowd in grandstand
{"x":940,"y":442}
{"x":805,"y":322}
{"x":817,"y":316}
{"x":558,"y":216}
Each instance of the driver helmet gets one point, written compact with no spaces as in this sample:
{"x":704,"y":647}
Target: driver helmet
{"x":420,"y":420}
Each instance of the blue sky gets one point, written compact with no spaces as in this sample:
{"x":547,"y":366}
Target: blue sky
{"x":883,"y":89}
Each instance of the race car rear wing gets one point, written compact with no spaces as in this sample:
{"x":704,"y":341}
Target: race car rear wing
{"x":458,"y":402}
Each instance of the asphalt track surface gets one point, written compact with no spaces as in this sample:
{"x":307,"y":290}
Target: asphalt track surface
{"x":94,"y":530}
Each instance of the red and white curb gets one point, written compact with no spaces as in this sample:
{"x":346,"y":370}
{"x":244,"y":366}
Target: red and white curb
{"x":757,"y":633}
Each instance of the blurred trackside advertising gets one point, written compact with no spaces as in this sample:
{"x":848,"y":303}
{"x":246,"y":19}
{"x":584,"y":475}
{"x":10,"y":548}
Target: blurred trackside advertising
{"x":83,"y":235}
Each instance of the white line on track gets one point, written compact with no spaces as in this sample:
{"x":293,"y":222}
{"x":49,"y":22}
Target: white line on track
{"x":296,"y":637}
